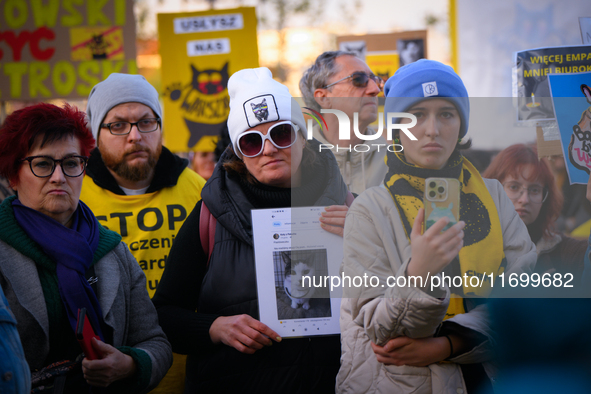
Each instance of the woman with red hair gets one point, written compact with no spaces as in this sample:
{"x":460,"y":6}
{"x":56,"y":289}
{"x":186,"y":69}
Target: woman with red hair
{"x":57,"y":261}
{"x":530,"y":185}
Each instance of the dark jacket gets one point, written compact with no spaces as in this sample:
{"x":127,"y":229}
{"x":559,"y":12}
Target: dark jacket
{"x":120,"y":290}
{"x":563,"y":254}
{"x":228,"y":287}
{"x":13,"y":366}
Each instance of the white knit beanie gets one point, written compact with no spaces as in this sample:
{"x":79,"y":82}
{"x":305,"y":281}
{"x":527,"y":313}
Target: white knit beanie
{"x":255,"y":98}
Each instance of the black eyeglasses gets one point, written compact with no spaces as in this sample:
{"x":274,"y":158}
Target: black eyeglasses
{"x":282,"y":135}
{"x":123,"y":128}
{"x":44,"y":166}
{"x":360,"y":79}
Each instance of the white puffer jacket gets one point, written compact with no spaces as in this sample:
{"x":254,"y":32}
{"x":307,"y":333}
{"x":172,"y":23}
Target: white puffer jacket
{"x":376,"y":244}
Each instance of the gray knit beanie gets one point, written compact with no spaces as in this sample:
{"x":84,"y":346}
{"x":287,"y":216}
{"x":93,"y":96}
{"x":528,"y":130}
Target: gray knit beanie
{"x":118,"y":89}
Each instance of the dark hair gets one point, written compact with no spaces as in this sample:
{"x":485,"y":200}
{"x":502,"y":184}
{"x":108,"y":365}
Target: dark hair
{"x":223,"y":142}
{"x":235,"y":166}
{"x":511,"y":162}
{"x":50,"y":123}
{"x":465,"y":145}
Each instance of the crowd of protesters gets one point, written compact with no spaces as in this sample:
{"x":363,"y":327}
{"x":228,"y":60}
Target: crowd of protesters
{"x":85,"y":308}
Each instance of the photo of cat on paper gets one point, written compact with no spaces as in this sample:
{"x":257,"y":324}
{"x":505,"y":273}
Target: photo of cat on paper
{"x":299,"y":286}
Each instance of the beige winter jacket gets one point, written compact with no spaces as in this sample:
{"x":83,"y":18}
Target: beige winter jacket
{"x":360,"y":170}
{"x":376,"y":244}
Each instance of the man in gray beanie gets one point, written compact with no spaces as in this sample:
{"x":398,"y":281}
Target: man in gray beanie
{"x":134,"y":185}
{"x":339,"y":80}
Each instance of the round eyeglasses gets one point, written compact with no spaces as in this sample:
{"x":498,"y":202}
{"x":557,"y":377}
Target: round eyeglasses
{"x":123,"y":128}
{"x":282,"y":135}
{"x":44,"y":166}
{"x":360,"y":79}
{"x":537,"y":194}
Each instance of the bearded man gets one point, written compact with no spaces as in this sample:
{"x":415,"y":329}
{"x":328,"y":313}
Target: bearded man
{"x":134,"y":185}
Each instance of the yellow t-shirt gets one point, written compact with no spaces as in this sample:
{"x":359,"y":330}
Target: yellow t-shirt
{"x":147,"y":222}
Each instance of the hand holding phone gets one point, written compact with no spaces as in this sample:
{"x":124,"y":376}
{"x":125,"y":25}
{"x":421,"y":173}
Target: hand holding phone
{"x":433,"y":250}
{"x":442,"y":199}
{"x":84,"y":335}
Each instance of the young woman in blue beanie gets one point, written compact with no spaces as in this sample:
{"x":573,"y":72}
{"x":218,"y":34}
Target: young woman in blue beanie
{"x":425,"y":328}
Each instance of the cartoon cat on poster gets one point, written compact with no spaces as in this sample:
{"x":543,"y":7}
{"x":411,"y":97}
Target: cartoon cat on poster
{"x":579,"y":149}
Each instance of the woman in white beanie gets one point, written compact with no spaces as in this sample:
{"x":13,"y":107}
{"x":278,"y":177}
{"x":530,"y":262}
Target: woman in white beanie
{"x":268,"y":165}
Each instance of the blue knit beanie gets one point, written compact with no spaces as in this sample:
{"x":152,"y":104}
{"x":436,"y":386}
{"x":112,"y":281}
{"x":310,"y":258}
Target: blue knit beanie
{"x":425,"y":79}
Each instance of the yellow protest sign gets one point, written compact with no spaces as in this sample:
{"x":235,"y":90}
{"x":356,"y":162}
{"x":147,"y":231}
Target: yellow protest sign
{"x":199,"y":51}
{"x":52,"y":48}
{"x":384,"y":65}
{"x":90,"y":43}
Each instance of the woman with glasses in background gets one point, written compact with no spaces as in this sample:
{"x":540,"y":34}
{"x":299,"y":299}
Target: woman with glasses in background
{"x":208,"y":305}
{"x":530,"y":185}
{"x":56,"y":260}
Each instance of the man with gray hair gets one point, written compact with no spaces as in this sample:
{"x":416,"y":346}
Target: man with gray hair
{"x":340,"y":80}
{"x":134,"y":185}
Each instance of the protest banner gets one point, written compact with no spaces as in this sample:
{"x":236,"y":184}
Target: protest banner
{"x":200,"y":51}
{"x":384,"y":53}
{"x":484,"y":37}
{"x":531,"y":77}
{"x":384,"y":65}
{"x":571,"y":96}
{"x":61,"y":49}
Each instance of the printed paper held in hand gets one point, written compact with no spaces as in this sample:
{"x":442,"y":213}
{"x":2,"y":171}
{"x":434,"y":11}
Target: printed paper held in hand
{"x":295,"y":261}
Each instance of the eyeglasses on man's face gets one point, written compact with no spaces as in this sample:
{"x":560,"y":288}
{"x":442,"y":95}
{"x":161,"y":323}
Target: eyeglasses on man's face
{"x":536,"y":193}
{"x":44,"y":166}
{"x":360,"y":79}
{"x":147,"y":125}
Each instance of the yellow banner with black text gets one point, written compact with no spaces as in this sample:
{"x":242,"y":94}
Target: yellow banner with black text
{"x":61,"y":49}
{"x":148,"y":223}
{"x":200,"y":51}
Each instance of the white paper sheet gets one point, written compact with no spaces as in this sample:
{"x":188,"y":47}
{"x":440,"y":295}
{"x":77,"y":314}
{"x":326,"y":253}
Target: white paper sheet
{"x":294,"y":236}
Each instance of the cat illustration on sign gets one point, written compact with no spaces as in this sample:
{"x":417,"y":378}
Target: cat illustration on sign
{"x":579,"y":149}
{"x":203,"y":100}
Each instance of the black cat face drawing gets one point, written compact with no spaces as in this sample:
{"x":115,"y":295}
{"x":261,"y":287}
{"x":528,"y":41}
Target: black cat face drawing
{"x":204,"y":101}
{"x":261,"y":111}
{"x":210,"y":81}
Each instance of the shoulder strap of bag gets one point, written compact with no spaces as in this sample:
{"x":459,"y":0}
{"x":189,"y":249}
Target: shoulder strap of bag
{"x":207,"y":223}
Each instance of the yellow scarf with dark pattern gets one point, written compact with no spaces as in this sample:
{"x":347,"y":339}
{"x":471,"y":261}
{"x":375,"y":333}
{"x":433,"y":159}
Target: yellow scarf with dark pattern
{"x":482,"y":253}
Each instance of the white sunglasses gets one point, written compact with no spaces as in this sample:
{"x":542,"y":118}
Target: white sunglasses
{"x":282,"y":135}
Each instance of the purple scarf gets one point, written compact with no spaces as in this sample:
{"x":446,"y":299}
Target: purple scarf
{"x":72,"y":250}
